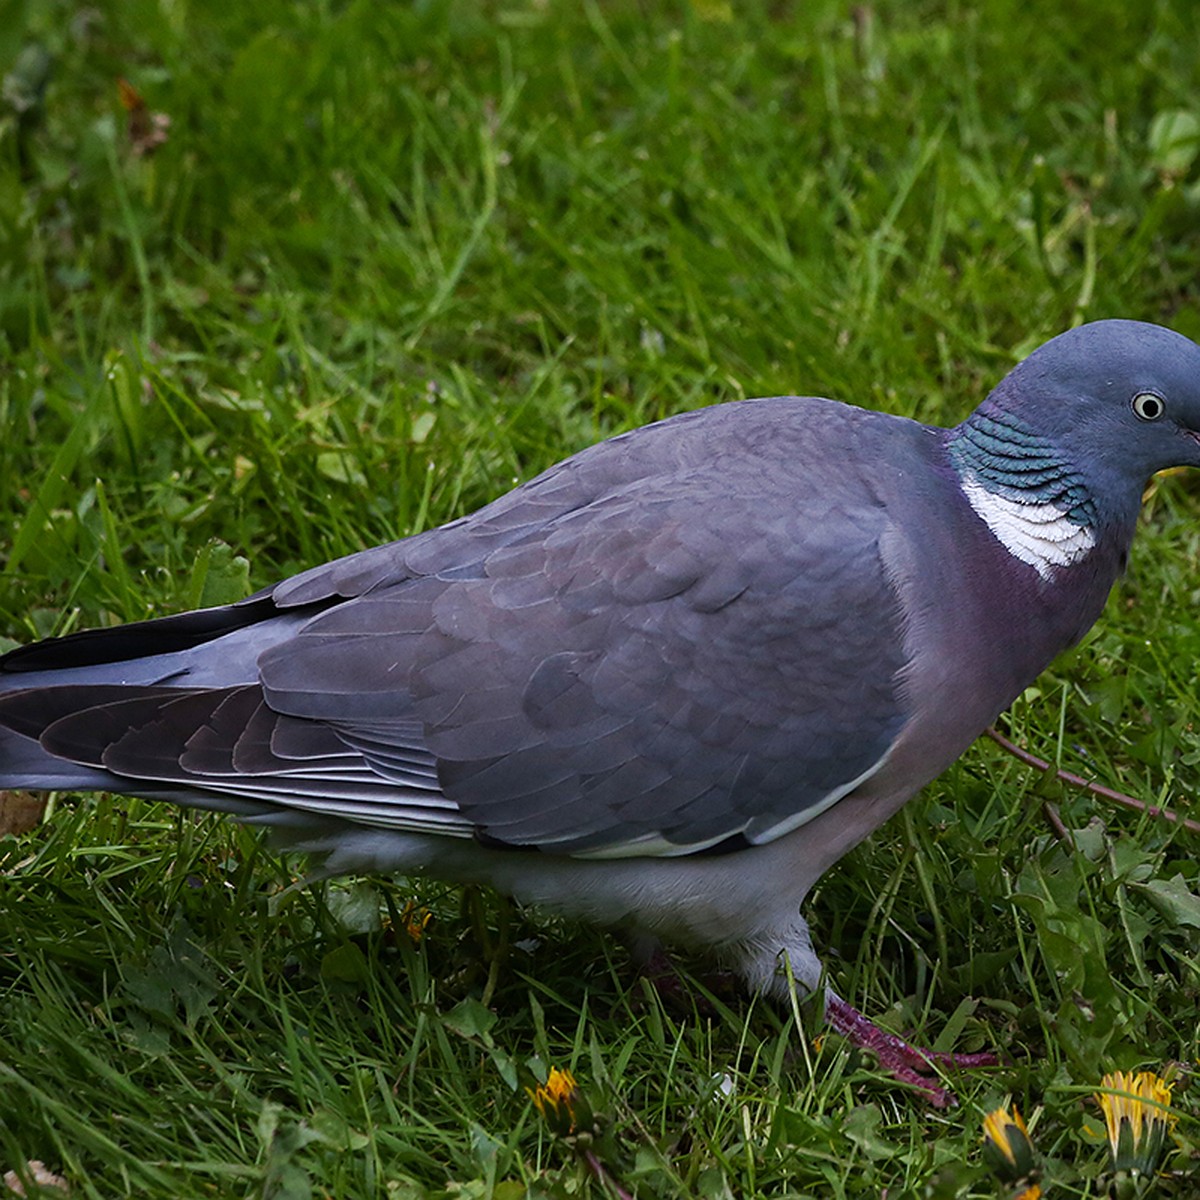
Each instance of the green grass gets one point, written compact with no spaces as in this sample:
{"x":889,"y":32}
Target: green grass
{"x":393,"y":258}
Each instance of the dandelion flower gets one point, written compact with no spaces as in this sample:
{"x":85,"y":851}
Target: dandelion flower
{"x":414,"y":920}
{"x":559,"y":1101}
{"x":1007,"y":1147}
{"x":1137,"y":1118}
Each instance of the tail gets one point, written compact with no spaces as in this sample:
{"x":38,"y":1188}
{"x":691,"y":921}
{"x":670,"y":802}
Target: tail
{"x":209,"y":648}
{"x":175,"y":710}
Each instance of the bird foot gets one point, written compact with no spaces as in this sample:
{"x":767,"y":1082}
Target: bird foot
{"x":910,"y":1064}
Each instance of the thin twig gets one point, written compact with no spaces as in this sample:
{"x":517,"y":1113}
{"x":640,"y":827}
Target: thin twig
{"x":603,"y":1175}
{"x":1097,"y":789}
{"x":1050,"y":812}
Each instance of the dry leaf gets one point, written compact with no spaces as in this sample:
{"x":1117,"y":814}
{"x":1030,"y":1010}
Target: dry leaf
{"x":38,"y":1173}
{"x":147,"y":130}
{"x":20,"y":811}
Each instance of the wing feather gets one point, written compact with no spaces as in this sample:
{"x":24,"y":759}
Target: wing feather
{"x":677,"y":637}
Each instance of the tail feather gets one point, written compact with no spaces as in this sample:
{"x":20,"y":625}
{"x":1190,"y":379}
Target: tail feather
{"x":140,"y":639}
{"x":186,"y":658}
{"x":174,"y":710}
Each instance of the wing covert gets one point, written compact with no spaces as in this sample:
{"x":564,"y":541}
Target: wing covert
{"x":655,"y":672}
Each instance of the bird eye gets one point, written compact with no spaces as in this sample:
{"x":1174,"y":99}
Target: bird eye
{"x":1148,"y":406}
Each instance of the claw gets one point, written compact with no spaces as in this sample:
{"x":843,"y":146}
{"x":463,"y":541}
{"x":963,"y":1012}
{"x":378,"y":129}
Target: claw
{"x":910,"y":1064}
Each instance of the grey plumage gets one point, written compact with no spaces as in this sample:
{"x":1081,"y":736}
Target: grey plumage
{"x":666,"y":683}
{"x":581,"y":666}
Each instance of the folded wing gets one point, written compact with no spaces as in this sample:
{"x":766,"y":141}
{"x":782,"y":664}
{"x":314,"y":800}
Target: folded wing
{"x":644,"y":651}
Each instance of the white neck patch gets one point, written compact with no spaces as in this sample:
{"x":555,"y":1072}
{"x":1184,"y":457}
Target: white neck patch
{"x":1038,"y":534}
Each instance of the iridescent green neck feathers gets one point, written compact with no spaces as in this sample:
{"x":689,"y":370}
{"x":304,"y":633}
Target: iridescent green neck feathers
{"x":1025,"y":490}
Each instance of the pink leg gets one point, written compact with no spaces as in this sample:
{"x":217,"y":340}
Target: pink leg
{"x":909,"y":1064}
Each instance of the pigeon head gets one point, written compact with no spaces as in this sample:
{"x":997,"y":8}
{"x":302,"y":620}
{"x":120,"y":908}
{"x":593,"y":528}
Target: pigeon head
{"x":1119,"y":397}
{"x":1076,"y":429}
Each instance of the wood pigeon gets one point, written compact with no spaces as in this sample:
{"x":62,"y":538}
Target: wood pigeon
{"x":667,"y":683}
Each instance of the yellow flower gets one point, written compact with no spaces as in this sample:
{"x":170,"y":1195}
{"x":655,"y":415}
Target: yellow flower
{"x":1007,"y":1147}
{"x":559,"y":1101}
{"x":1033,"y":1192}
{"x":1137,"y":1117}
{"x":414,"y":920}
